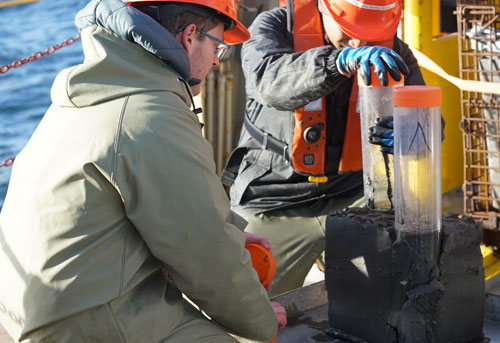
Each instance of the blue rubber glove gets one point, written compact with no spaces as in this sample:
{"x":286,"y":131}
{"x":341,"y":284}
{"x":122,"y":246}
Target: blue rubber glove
{"x":384,"y":60}
{"x":383,"y":134}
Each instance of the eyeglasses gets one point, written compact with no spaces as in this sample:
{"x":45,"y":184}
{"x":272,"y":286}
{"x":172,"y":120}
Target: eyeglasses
{"x":222,"y":49}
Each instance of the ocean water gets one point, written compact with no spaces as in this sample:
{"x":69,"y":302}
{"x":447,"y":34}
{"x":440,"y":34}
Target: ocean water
{"x":25,"y":91}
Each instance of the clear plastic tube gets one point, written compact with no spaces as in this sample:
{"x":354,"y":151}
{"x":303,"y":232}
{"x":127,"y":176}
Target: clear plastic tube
{"x":417,"y":165}
{"x":378,"y":176}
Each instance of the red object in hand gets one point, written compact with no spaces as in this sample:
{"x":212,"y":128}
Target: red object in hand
{"x":274,"y":339}
{"x":263,"y":262}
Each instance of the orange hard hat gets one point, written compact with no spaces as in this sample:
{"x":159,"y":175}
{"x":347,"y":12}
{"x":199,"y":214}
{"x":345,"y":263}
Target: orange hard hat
{"x":236,"y":34}
{"x":367,"y":20}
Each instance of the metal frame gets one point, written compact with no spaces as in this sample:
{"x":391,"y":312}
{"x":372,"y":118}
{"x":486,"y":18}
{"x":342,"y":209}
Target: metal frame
{"x":480,"y":112}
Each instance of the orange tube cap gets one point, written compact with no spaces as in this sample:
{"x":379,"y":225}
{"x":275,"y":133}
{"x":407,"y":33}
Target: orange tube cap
{"x":416,"y":96}
{"x":263,"y":262}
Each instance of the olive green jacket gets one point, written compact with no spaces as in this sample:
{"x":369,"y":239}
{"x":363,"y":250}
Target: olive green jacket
{"x":116,"y":182}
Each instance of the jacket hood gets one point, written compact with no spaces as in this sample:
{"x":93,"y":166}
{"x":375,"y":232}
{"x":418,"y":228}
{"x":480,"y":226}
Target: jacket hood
{"x":118,"y":61}
{"x":133,"y":25}
{"x":113,"y":68}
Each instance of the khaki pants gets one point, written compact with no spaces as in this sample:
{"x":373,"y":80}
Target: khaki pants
{"x":297,"y":238}
{"x":123,"y":322}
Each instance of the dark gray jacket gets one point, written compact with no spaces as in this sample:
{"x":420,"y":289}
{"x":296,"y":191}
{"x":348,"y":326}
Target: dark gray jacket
{"x":279,"y":80}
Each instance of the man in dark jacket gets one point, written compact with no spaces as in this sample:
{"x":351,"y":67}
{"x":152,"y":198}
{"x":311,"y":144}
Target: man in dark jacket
{"x":286,"y":76}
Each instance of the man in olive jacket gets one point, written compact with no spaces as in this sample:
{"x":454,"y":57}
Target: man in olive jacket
{"x":114,"y":208}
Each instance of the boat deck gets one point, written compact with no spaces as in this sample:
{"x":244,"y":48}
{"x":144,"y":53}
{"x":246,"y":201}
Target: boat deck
{"x":307,"y":310}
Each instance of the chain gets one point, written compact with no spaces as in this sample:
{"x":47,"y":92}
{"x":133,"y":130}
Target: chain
{"x":8,"y":162}
{"x":38,"y":55}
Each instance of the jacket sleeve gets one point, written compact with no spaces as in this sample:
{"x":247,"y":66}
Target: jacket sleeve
{"x":166,"y":176}
{"x":415,"y":74}
{"x":277,"y":76}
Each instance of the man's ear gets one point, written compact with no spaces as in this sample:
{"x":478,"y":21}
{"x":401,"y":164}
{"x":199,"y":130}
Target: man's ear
{"x":187,"y":37}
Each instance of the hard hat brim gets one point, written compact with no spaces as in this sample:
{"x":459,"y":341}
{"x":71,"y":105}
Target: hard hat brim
{"x":238,"y":34}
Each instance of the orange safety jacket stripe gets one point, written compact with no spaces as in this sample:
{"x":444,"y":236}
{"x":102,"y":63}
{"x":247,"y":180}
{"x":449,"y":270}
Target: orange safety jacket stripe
{"x":308,"y":152}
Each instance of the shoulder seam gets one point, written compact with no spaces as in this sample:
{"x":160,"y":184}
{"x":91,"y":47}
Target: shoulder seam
{"x":116,"y":143}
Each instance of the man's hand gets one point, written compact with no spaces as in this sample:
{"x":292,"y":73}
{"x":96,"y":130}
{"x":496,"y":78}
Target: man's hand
{"x":383,"y":134}
{"x":384,"y":60}
{"x":280,"y":314}
{"x":279,"y":311}
{"x":252,"y":238}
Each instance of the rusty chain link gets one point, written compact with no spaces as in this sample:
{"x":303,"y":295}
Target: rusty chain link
{"x":38,"y":55}
{"x":8,"y":162}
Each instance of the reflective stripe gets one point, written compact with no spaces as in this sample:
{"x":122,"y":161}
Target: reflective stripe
{"x":371,"y":7}
{"x":316,"y":105}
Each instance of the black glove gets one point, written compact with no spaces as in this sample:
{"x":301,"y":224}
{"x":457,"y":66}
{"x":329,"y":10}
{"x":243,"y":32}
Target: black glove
{"x":383,"y":134}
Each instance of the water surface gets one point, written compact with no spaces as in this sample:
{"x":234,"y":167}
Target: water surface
{"x":25,"y":91}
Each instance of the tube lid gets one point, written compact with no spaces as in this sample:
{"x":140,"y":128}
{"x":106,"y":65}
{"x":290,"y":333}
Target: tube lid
{"x":416,"y":96}
{"x":263,"y":262}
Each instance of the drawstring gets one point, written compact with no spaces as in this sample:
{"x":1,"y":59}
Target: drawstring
{"x":195,"y":110}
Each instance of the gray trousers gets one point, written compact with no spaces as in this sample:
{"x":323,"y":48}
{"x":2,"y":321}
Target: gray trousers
{"x":297,"y":238}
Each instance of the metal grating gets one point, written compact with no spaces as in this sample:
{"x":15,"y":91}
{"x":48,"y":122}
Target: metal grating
{"x":479,"y":49}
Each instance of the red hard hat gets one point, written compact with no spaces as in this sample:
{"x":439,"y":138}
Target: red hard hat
{"x":235,"y":35}
{"x":367,"y":20}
